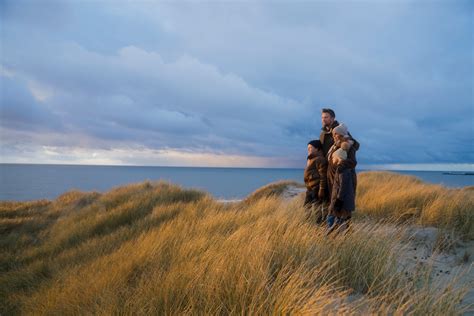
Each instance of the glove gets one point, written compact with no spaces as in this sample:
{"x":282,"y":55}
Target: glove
{"x":338,"y":205}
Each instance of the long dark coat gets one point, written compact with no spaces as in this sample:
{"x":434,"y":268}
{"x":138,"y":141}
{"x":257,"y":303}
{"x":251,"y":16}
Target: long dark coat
{"x":344,"y":190}
{"x":349,"y":163}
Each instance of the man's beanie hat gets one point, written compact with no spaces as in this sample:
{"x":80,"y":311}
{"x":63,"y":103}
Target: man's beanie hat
{"x":316,"y":144}
{"x":341,"y":129}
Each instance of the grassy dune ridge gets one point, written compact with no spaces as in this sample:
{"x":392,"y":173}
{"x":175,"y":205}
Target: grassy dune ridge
{"x":153,"y":247}
{"x":402,"y":197}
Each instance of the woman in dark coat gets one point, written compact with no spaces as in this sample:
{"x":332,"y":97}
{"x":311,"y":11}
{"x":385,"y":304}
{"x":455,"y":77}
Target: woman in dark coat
{"x":342,"y":139}
{"x":343,"y":190}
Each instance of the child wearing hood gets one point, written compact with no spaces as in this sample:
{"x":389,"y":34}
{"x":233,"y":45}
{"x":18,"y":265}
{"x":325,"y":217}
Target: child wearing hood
{"x":315,"y":178}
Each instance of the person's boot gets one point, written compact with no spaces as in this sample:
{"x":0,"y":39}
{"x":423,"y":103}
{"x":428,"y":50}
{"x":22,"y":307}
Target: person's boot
{"x":330,"y":221}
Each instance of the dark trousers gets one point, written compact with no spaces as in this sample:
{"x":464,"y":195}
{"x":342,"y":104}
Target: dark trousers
{"x":316,"y":210}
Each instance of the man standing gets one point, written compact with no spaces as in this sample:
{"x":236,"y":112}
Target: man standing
{"x":330,"y":128}
{"x":328,"y":119}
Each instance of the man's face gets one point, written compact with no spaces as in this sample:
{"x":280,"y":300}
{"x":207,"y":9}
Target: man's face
{"x":326,"y":119}
{"x":311,"y":150}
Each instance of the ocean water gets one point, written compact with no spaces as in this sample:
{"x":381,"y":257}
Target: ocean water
{"x":30,"y":182}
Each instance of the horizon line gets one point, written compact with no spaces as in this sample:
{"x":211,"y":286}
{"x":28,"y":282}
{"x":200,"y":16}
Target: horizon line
{"x":458,"y":167}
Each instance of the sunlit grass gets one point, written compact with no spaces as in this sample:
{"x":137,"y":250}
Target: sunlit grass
{"x":154,"y":248}
{"x":401,"y":197}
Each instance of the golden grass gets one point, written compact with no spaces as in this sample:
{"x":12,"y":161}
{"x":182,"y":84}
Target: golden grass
{"x":273,"y":189}
{"x":153,"y":248}
{"x":402,"y":197}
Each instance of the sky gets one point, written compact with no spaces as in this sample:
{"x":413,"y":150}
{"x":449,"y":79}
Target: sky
{"x":235,"y":83}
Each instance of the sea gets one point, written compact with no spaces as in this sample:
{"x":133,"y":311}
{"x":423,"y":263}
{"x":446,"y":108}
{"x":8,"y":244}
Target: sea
{"x":22,"y":182}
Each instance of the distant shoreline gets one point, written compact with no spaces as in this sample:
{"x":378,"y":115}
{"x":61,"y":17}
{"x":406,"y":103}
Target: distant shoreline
{"x":20,"y":182}
{"x":362,"y":167}
{"x":456,"y":173}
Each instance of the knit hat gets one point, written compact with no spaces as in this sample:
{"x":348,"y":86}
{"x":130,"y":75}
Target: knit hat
{"x":340,"y":153}
{"x":316,"y":144}
{"x":341,"y":129}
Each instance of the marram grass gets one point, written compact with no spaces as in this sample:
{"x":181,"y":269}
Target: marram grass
{"x":402,"y":197}
{"x":154,"y":248}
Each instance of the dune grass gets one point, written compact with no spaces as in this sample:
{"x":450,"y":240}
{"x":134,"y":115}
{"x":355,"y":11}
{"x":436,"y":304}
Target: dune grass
{"x":402,"y":197}
{"x":274,"y":189}
{"x":154,"y":248}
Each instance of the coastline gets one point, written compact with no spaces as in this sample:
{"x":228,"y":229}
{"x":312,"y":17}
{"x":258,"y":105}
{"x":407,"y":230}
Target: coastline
{"x":30,"y":182}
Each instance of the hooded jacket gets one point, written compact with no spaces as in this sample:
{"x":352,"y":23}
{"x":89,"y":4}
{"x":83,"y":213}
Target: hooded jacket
{"x":315,"y":173}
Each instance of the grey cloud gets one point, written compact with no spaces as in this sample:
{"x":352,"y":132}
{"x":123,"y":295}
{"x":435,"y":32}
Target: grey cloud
{"x":251,"y":78}
{"x":19,"y":108}
{"x":125,"y":95}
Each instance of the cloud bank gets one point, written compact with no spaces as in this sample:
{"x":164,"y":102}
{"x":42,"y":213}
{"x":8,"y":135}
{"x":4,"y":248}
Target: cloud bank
{"x":234,"y":84}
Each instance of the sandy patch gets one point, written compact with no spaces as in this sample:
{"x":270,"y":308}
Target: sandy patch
{"x":292,"y":191}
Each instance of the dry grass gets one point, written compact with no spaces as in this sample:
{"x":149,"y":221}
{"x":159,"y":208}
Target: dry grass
{"x":153,"y":248}
{"x":401,"y":197}
{"x":273,"y":189}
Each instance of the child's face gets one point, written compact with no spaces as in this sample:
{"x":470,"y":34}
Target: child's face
{"x":337,"y":138}
{"x":336,"y":160}
{"x":311,"y":149}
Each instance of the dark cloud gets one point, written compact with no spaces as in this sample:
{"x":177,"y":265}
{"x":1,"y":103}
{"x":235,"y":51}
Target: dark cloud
{"x":244,"y":79}
{"x":20,"y":110}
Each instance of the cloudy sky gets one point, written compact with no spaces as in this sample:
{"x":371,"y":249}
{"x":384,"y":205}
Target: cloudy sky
{"x":235,"y":83}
